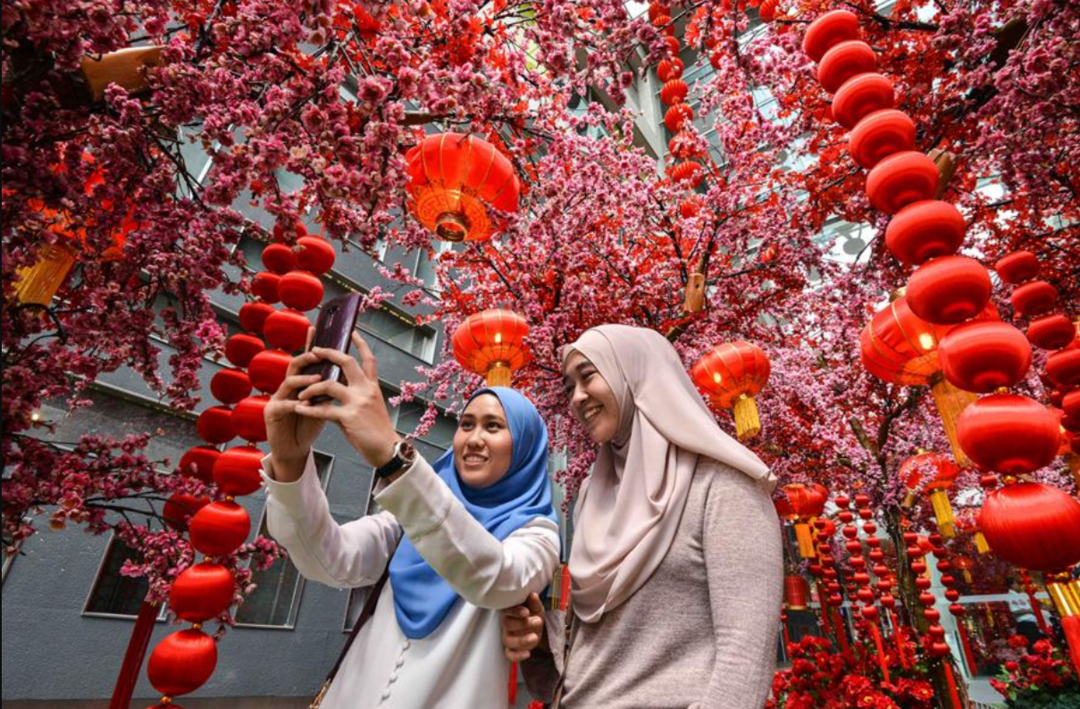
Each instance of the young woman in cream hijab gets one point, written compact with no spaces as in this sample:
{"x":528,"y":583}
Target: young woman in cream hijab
{"x":676,"y":557}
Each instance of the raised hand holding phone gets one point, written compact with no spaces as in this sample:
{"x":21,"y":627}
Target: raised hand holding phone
{"x":360,"y":410}
{"x":289,"y":433}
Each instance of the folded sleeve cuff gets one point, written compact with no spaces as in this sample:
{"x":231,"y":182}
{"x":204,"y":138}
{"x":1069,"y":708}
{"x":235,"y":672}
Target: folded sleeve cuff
{"x":297,"y":496}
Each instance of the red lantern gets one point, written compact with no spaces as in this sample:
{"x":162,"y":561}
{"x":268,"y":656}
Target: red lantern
{"x":1017,"y":267}
{"x":829,"y":30}
{"x":924,"y":230}
{"x":491,"y":343}
{"x":1070,"y":404}
{"x":1063,"y":367}
{"x":897,"y":346}
{"x":215,"y":425}
{"x":1033,"y":526}
{"x":1051,"y":332}
{"x":674,"y":91}
{"x":879,"y":135}
{"x":940,"y":472}
{"x":688,"y":172}
{"x":949,"y":290}
{"x":983,"y":356}
{"x":1034,"y":298}
{"x":265,"y":285}
{"x":678,"y":116}
{"x":254,"y":314}
{"x":732,"y":374}
{"x":218,"y":529}
{"x":806,"y":502}
{"x":202,"y":592}
{"x":230,"y":385}
{"x":198,"y":462}
{"x":673,"y":45}
{"x":237,"y":471}
{"x":181,"y":507}
{"x":300,"y":290}
{"x":267,"y":370}
{"x":663,"y":23}
{"x":843,"y":61}
{"x":796,"y":592}
{"x":314,"y":254}
{"x":669,"y":69}
{"x":900,"y":179}
{"x":767,"y":10}
{"x":239,"y":349}
{"x":287,"y":330}
{"x":182,"y":662}
{"x":454,"y":179}
{"x":860,"y":96}
{"x":1009,"y":434}
{"x":248,"y":418}
{"x":278,"y":258}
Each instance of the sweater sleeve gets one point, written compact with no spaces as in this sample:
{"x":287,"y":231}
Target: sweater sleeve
{"x":744,"y":565}
{"x":484,"y":571}
{"x":543,"y":670}
{"x":338,"y":555}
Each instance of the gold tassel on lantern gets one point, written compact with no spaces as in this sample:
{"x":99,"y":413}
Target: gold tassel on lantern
{"x":39,"y":283}
{"x":943,"y":512}
{"x":981,"y":545}
{"x":498,"y":375}
{"x":951,"y":402}
{"x":747,"y":423}
{"x":805,"y":539}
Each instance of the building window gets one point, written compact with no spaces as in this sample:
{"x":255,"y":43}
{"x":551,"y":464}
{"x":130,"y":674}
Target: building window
{"x":113,"y":594}
{"x":276,"y":598}
{"x":400,"y":331}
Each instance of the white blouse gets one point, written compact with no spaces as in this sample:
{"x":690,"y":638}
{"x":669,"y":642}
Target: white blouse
{"x":461,"y":664}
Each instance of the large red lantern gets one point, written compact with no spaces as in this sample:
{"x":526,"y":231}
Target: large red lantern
{"x":278,"y":258}
{"x":879,"y":135}
{"x":843,"y":61}
{"x":688,"y":172}
{"x":1017,"y":267}
{"x":239,"y":349}
{"x":202,"y":592}
{"x":674,"y":91}
{"x":899,"y":347}
{"x":949,"y":290}
{"x":829,"y":30}
{"x":254,"y":314}
{"x":182,"y":662}
{"x":733,"y":373}
{"x":1009,"y":434}
{"x":924,"y":230}
{"x":265,"y":285}
{"x":492,"y":343}
{"x":215,"y":425}
{"x":248,"y":420}
{"x":860,"y":96}
{"x":669,"y":69}
{"x":287,"y":330}
{"x":678,"y":116}
{"x":796,"y":592}
{"x":181,"y":507}
{"x":1034,"y":298}
{"x":1032,"y":525}
{"x":805,"y":502}
{"x":301,"y":290}
{"x":218,"y":529}
{"x":1051,"y":332}
{"x":198,"y":462}
{"x":900,"y":179}
{"x":984,"y":356}
{"x":237,"y":471}
{"x":230,"y":385}
{"x":267,"y":370}
{"x":939,"y":473}
{"x":1063,"y":367}
{"x":454,"y":180}
{"x":314,"y":254}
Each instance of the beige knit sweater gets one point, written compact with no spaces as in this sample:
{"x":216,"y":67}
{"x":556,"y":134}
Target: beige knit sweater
{"x":702,"y":632}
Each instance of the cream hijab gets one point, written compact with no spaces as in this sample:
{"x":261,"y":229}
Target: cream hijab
{"x":630,"y":506}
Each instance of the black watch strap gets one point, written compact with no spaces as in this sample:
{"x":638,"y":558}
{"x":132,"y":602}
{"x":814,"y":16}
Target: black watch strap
{"x":404,"y":456}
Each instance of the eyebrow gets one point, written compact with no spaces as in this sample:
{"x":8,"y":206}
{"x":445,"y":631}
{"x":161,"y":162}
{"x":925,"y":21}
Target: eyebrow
{"x":485,"y":417}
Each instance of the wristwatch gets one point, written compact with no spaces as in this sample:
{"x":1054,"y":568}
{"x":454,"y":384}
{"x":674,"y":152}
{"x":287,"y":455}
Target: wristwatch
{"x":404,"y":456}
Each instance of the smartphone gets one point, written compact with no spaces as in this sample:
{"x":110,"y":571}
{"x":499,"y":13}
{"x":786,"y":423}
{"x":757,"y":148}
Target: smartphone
{"x":333,"y":330}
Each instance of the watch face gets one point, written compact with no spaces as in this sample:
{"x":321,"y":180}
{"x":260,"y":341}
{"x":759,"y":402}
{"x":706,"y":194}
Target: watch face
{"x":408,"y":453}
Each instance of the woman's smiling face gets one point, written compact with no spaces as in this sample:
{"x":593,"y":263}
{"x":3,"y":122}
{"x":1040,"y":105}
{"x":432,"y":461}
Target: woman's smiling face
{"x":483,"y":447}
{"x":592,"y":402}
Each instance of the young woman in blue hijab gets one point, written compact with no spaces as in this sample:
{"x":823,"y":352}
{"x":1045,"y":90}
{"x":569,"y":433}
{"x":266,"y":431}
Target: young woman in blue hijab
{"x":471,"y":534}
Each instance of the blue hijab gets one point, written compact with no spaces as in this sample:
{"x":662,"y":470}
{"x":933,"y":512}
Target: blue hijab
{"x":422,"y":598}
